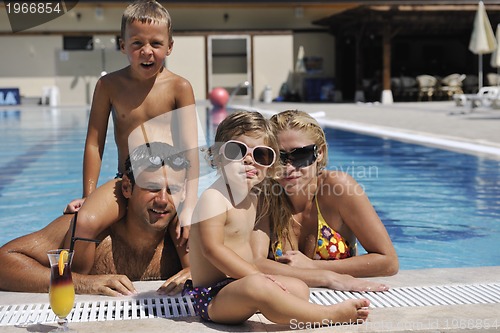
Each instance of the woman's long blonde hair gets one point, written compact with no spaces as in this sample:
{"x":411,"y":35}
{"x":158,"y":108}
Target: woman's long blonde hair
{"x":279,"y":206}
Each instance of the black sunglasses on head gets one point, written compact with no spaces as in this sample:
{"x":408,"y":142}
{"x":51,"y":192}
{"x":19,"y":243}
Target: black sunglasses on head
{"x":300,"y":157}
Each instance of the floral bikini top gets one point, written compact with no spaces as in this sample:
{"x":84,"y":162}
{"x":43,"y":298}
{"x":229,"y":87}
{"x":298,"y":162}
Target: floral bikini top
{"x":330,"y":245}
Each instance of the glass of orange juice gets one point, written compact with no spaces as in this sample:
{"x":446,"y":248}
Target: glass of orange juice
{"x":61,"y":291}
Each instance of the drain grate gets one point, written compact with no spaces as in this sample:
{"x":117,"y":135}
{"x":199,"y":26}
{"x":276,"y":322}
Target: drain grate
{"x":174,"y":307}
{"x":167,"y":307}
{"x":416,"y":296}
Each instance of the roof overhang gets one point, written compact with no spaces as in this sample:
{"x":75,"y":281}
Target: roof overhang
{"x":409,"y":18}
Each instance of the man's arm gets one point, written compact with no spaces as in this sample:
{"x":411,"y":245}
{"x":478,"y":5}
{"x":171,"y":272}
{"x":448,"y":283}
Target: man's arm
{"x":24,"y":265}
{"x":102,"y":208}
{"x":104,"y":284}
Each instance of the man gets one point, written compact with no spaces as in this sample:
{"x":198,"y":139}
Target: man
{"x":137,"y":247}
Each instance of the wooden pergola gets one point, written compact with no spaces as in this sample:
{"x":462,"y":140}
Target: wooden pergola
{"x":386,"y":20}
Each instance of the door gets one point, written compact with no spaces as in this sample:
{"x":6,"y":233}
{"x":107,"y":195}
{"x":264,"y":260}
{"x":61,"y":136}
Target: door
{"x":229,"y":64}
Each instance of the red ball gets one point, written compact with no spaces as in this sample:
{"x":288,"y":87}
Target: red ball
{"x":219,"y":97}
{"x":218,"y":115}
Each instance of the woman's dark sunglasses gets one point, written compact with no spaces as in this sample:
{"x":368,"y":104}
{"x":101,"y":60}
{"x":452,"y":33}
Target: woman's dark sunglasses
{"x":300,"y":157}
{"x":236,"y":151}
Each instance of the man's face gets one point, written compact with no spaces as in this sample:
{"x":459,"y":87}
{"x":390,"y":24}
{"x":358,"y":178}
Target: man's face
{"x":156,"y":196}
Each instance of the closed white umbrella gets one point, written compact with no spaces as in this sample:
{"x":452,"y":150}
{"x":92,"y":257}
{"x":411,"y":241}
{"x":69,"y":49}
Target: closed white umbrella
{"x":495,"y":57}
{"x":300,"y":66}
{"x":482,"y":40}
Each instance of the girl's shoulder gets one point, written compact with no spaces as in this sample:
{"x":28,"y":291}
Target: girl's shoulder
{"x":211,"y":195}
{"x":211,"y":202}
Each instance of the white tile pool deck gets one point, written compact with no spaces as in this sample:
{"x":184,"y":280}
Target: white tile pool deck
{"x":413,"y":121}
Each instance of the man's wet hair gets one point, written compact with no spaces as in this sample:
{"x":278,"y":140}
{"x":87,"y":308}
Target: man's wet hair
{"x":152,"y":156}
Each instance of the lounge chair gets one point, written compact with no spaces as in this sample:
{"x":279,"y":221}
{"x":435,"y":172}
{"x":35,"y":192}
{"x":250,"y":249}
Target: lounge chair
{"x":493,"y":79}
{"x":426,"y":86}
{"x":487,"y":97}
{"x":451,"y":85}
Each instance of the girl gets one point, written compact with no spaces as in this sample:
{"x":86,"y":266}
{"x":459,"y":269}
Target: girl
{"x":227,"y":286}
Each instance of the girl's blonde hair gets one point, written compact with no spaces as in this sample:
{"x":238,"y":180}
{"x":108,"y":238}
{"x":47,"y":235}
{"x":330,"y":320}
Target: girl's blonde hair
{"x":146,"y":11}
{"x":280,"y":207}
{"x":249,"y":123}
{"x":242,"y":123}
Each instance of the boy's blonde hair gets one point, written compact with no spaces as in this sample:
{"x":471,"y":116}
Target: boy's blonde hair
{"x":146,"y":11}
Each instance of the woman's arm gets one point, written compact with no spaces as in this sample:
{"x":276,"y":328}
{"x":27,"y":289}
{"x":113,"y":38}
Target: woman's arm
{"x":359,"y":215}
{"x":260,"y":242}
{"x":312,"y":277}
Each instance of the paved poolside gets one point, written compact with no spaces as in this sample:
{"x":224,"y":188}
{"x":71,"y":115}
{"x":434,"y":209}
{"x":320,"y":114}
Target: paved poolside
{"x":416,"y":120}
{"x":441,"y":318}
{"x":433,"y":123}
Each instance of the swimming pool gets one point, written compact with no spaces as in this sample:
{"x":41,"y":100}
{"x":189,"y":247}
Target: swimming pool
{"x":442,"y":209}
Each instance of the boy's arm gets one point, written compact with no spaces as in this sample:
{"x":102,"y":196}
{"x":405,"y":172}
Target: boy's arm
{"x":96,"y":136}
{"x":175,"y":283}
{"x":180,"y":247}
{"x":187,"y":127}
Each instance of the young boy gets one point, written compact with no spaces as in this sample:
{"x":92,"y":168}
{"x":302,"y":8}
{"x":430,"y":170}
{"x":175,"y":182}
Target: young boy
{"x":137,"y":94}
{"x":226,"y":285}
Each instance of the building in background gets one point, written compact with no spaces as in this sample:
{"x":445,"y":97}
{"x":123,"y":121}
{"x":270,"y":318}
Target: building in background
{"x":349,"y":47}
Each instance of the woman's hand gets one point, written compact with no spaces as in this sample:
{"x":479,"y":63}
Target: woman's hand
{"x":296,"y":259}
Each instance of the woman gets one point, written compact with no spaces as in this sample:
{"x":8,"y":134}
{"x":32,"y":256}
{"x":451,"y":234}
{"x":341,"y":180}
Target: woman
{"x":318,"y":214}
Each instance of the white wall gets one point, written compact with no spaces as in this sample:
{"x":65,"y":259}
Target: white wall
{"x":188,"y":60}
{"x":272,"y":61}
{"x":75,"y":73}
{"x":317,"y":44}
{"x":28,"y":62}
{"x":44,"y":64}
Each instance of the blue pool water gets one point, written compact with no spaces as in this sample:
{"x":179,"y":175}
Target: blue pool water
{"x":442,"y":209}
